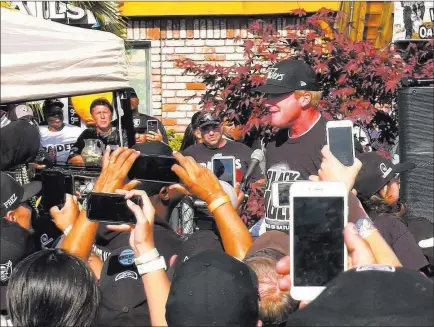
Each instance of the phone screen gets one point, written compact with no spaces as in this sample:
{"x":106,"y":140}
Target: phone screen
{"x":224,"y":169}
{"x":318,"y":240}
{"x":341,"y":143}
{"x":152,"y":126}
{"x":154,"y":168}
{"x":106,"y":207}
{"x":53,"y":189}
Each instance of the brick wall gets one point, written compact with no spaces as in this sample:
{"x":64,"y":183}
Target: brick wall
{"x":204,"y":40}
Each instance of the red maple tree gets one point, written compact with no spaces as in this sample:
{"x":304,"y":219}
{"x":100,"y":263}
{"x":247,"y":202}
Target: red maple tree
{"x":356,"y":79}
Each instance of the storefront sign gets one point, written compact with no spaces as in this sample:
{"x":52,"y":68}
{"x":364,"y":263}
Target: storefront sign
{"x":413,"y":20}
{"x":56,"y":11}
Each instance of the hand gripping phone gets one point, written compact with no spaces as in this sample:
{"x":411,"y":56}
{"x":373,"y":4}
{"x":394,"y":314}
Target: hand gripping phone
{"x":110,"y":208}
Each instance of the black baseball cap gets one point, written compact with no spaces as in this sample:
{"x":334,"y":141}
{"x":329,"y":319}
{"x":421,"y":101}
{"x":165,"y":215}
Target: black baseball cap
{"x":15,"y":244}
{"x":52,"y":108}
{"x":374,"y":295}
{"x":288,"y":76}
{"x":213,"y":288}
{"x":193,"y":244}
{"x":207,"y":119}
{"x":123,"y":299}
{"x":13,"y":193}
{"x":376,"y":172}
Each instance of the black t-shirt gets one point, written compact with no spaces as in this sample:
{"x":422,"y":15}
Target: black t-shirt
{"x":202,"y":154}
{"x":400,"y":239}
{"x":91,"y":133}
{"x":140,"y":122}
{"x":289,"y":159}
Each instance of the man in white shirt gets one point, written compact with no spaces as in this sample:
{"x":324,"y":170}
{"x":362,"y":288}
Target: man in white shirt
{"x":57,"y":138}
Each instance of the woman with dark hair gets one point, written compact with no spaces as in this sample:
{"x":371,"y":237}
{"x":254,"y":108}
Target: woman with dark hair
{"x":192,"y":134}
{"x":377,"y":187}
{"x":52,"y":288}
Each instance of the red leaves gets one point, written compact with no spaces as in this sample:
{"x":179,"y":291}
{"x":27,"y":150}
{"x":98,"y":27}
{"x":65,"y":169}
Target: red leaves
{"x":392,"y":85}
{"x":257,"y":80}
{"x":299,"y":12}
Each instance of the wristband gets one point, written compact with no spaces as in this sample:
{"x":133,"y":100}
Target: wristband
{"x":151,"y":266}
{"x":148,"y":256}
{"x":67,"y":230}
{"x":218,"y":202}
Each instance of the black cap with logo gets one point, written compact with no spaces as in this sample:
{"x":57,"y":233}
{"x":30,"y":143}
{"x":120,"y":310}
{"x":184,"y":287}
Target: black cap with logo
{"x":289,"y":76}
{"x":376,"y":172}
{"x":208,"y":119}
{"x":123,"y":299}
{"x":13,"y":193}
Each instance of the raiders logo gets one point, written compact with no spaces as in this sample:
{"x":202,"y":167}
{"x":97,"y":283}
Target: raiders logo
{"x":136,"y":122}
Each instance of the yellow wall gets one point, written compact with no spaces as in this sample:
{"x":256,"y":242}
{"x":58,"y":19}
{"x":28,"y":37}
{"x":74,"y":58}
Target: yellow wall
{"x":179,"y":8}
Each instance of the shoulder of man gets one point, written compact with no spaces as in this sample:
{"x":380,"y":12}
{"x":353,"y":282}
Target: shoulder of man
{"x":191,"y":150}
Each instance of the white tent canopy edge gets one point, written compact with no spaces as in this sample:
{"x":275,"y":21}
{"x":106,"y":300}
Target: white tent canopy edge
{"x":44,"y":59}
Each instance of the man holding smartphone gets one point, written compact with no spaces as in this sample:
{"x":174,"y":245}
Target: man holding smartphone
{"x":292,"y":95}
{"x":214,"y":145}
{"x":140,"y":121}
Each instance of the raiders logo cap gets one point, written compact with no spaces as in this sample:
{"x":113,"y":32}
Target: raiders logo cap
{"x":288,"y":76}
{"x":376,"y":172}
{"x":13,"y":194}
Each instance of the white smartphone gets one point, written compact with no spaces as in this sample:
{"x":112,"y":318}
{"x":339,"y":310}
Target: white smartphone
{"x":224,"y":168}
{"x":280,"y":194}
{"x":319,"y":212}
{"x":341,"y":140}
{"x":152,"y":125}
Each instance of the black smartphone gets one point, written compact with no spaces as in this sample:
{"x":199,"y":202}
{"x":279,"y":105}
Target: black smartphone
{"x":69,"y":184}
{"x":152,"y":126}
{"x":224,"y":168}
{"x":53,"y":189}
{"x":341,"y":141}
{"x":110,"y":208}
{"x":154,"y":168}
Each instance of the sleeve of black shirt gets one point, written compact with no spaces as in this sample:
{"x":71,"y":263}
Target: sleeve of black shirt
{"x":78,"y":145}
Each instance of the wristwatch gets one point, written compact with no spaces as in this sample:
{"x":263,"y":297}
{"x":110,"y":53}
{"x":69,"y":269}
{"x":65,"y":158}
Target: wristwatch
{"x":152,"y":265}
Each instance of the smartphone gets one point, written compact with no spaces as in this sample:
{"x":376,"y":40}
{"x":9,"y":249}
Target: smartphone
{"x":224,"y":168}
{"x":53,"y":189}
{"x":317,"y":250}
{"x":69,"y":184}
{"x":341,"y":140}
{"x":110,"y":208}
{"x":152,"y":125}
{"x":280,"y":194}
{"x":154,"y":168}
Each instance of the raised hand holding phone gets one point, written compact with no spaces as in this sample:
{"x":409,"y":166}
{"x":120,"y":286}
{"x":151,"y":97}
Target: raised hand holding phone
{"x":141,"y":238}
{"x":65,"y":217}
{"x":200,"y":181}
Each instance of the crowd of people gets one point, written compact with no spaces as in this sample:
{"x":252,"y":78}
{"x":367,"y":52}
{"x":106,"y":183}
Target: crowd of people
{"x":78,"y":272}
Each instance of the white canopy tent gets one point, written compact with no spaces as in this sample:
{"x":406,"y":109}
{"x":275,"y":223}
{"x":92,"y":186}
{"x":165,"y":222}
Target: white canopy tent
{"x":44,"y":59}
